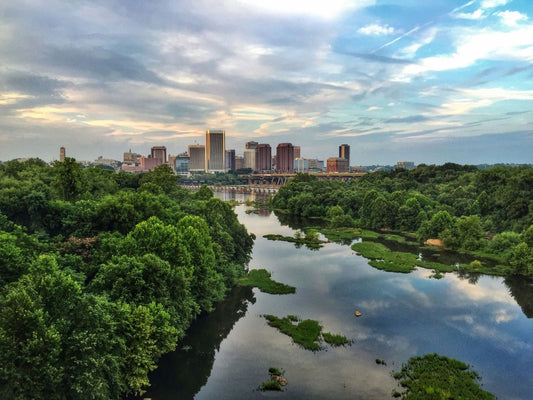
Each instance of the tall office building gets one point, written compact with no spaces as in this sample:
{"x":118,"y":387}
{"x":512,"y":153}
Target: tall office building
{"x":230,"y":160}
{"x":251,"y":145}
{"x":215,"y":150}
{"x":344,"y":152}
{"x":263,"y":158}
{"x":285,"y":157}
{"x":159,"y":152}
{"x":249,"y":159}
{"x":62,"y":153}
{"x":196,"y":157}
{"x":182,"y":163}
{"x":297,"y":152}
{"x":239,"y":162}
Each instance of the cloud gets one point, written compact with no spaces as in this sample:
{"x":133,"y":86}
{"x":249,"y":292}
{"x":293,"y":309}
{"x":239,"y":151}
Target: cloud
{"x":478,"y":14}
{"x":376,"y":30}
{"x":511,"y":18}
{"x":374,"y":108}
{"x":493,"y":3}
{"x":314,"y":8}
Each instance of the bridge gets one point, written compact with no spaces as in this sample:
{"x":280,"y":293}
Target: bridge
{"x":280,"y":179}
{"x":265,"y":181}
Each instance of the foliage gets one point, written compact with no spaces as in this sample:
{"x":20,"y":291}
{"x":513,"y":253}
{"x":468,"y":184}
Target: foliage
{"x":335,"y":340}
{"x":101,"y":273}
{"x":260,"y":278}
{"x":438,"y":377}
{"x":462,"y":206}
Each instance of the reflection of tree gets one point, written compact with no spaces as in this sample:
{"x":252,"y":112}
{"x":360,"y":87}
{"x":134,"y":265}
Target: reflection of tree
{"x":472,"y":277}
{"x":522,"y":291}
{"x":181,"y":374}
{"x":297,"y":222}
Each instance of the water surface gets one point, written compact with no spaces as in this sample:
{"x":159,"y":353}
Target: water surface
{"x":227,"y":354}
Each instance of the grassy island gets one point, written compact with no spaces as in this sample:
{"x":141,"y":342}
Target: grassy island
{"x":307,"y":333}
{"x":438,"y":377}
{"x":260,"y":278}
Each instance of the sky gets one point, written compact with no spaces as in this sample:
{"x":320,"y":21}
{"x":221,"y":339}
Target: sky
{"x":425,"y":81}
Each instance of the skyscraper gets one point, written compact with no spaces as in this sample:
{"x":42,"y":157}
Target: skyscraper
{"x":215,"y":150}
{"x":344,"y":152}
{"x":285,"y":157}
{"x":297,"y":152}
{"x":263,"y":158}
{"x":159,"y":152}
{"x":251,"y":145}
{"x":62,"y":153}
{"x":249,"y":159}
{"x":230,"y":160}
{"x":197,"y":157}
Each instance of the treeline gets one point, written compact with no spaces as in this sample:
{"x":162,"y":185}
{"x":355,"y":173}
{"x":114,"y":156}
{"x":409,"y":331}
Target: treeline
{"x":101,"y":273}
{"x":487,"y":211}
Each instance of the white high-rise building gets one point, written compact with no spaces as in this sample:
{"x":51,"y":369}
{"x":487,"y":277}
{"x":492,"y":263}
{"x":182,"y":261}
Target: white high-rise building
{"x":249,"y":159}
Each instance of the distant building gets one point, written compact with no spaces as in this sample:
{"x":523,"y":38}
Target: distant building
{"x":172,"y":162}
{"x":159,"y":152}
{"x":315,"y":165}
{"x":263,"y":158}
{"x":182,"y":163}
{"x":285,"y":158}
{"x":301,"y":165}
{"x":337,"y":164}
{"x":149,"y":163}
{"x":215,"y":150}
{"x":62,"y":154}
{"x":344,"y":152}
{"x":406,"y":164}
{"x":239,"y":162}
{"x":230,"y":160}
{"x":251,"y":145}
{"x":107,"y":162}
{"x":249,"y":159}
{"x":131,"y":158}
{"x":196,"y":158}
{"x":359,"y":170}
{"x":297,"y":152}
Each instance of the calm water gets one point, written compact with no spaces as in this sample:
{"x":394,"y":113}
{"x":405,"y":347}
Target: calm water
{"x":227,"y":353}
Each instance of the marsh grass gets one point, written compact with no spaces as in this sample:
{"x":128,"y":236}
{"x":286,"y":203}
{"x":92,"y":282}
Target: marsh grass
{"x":335,"y":340}
{"x":304,"y":333}
{"x":260,"y":278}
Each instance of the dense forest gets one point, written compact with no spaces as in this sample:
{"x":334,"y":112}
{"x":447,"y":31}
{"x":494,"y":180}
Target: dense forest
{"x":486,"y":212}
{"x":101,"y":273}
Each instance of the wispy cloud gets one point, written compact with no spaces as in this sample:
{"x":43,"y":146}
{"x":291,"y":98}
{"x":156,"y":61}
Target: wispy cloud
{"x":376,"y":30}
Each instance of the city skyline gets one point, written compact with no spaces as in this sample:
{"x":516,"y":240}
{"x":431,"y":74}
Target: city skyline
{"x":443,"y":81}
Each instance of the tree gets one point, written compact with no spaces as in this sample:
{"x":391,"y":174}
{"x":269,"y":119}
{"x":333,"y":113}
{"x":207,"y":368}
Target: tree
{"x":68,"y":178}
{"x":522,"y":259}
{"x":204,"y":193}
{"x":470,"y":232}
{"x":163,"y":176}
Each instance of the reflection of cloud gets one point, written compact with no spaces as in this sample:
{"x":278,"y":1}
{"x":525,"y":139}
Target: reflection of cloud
{"x":491,"y":291}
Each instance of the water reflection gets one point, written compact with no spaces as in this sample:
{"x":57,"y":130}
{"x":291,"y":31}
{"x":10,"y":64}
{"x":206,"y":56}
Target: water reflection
{"x":474,"y":318}
{"x":522,"y":291}
{"x":181,"y":374}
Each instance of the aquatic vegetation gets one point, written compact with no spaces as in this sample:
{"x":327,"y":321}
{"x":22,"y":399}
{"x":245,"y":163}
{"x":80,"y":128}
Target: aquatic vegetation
{"x":260,"y":278}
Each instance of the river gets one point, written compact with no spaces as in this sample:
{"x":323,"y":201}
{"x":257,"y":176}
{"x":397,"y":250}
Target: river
{"x":226,"y":354}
